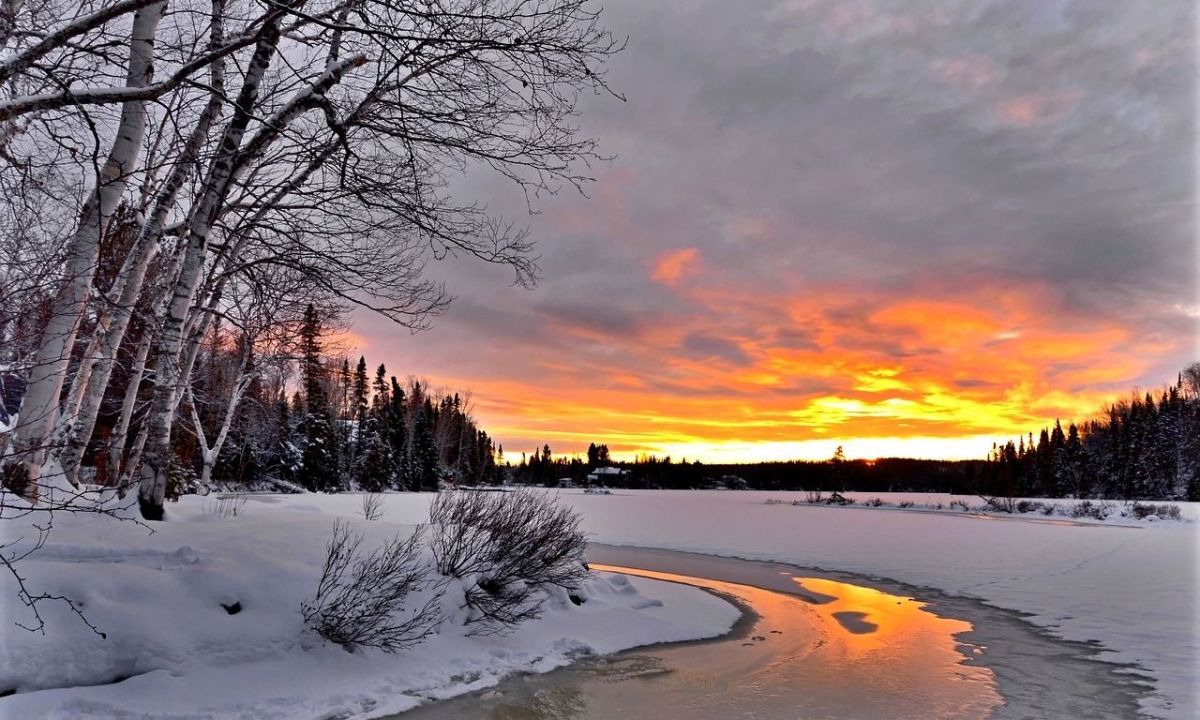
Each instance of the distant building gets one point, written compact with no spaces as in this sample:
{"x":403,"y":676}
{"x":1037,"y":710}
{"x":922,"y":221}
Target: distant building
{"x":605,"y":475}
{"x":565,"y":483}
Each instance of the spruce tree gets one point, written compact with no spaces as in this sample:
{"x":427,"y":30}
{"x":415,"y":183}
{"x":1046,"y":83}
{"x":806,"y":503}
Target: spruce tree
{"x":318,"y":469}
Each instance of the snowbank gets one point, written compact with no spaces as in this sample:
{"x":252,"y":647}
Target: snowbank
{"x":174,"y":651}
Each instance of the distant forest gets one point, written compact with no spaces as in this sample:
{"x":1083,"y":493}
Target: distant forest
{"x":1146,"y":447}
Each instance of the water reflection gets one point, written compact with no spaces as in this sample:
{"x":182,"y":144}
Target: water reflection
{"x":826,"y":650}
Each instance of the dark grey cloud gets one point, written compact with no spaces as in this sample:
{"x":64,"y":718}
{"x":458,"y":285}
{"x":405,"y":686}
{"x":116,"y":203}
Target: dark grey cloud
{"x":703,"y":346}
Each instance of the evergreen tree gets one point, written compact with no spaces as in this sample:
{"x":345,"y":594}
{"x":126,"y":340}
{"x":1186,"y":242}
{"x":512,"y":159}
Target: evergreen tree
{"x":319,"y":458}
{"x":424,"y":450}
{"x":398,"y":435}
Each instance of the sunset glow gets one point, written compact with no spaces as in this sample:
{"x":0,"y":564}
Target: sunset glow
{"x":850,"y":232}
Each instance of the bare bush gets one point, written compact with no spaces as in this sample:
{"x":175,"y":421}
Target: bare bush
{"x":360,"y":601}
{"x":813,"y":497}
{"x":372,"y":506}
{"x":999,"y":503}
{"x":837,"y":498}
{"x":228,"y":505}
{"x":513,"y":546}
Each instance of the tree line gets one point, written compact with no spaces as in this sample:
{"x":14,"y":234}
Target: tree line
{"x":653,"y":472}
{"x":1144,"y":448}
{"x":343,"y":427}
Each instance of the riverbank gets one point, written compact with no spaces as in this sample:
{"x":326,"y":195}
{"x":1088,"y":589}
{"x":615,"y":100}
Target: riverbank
{"x":201,"y":620}
{"x":1128,"y":594}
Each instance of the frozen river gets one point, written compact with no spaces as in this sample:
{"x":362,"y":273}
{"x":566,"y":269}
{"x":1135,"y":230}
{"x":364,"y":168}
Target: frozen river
{"x":817,"y":645}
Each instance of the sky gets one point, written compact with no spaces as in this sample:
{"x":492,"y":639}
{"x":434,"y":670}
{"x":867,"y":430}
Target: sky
{"x":910,"y":228}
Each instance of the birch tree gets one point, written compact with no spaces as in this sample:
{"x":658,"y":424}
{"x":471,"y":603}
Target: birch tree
{"x":40,"y":404}
{"x":327,"y":152}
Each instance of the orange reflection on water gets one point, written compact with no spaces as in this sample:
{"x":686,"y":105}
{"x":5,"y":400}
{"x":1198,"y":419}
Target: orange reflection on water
{"x":835,"y":649}
{"x":870,"y":622}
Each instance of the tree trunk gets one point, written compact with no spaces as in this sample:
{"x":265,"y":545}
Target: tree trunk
{"x":156,"y":461}
{"x":40,"y":404}
{"x":96,"y":369}
{"x":116,"y":441}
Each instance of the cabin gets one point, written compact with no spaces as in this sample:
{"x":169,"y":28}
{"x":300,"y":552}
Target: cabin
{"x":606,"y":475}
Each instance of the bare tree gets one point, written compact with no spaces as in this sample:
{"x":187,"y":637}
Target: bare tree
{"x":328,"y":160}
{"x":40,"y":404}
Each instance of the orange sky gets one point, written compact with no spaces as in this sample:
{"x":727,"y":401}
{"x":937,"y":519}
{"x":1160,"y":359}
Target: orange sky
{"x":776,"y":377}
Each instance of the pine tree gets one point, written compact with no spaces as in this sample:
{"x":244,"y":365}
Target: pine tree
{"x":424,"y":450}
{"x":397,"y":435}
{"x":319,"y":458}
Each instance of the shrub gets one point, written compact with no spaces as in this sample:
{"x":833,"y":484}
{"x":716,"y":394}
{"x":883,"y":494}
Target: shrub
{"x":360,"y":600}
{"x":874,"y":502}
{"x":997,"y":503}
{"x":228,"y":505}
{"x":812,"y":497}
{"x":1165,"y":511}
{"x":1094,"y":510}
{"x":180,"y":481}
{"x":839,"y":499}
{"x":372,"y":506}
{"x":1025,"y":506}
{"x":961,"y":505}
{"x":906,"y":503}
{"x":511,"y":547}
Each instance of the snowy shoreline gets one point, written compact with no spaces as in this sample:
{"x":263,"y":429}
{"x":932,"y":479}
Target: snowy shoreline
{"x":1128,"y":593}
{"x":173,"y":650}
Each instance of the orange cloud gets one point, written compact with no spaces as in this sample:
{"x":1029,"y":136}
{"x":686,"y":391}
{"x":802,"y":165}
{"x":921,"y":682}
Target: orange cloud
{"x":673,"y":267}
{"x":1038,"y":108}
{"x":943,"y":375}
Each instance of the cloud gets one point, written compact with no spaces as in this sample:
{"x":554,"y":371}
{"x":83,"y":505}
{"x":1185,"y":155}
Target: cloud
{"x":846,"y":219}
{"x":673,"y":267}
{"x":703,"y":346}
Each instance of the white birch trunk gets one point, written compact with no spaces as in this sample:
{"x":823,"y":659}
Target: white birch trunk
{"x":87,"y":393}
{"x":156,"y":461}
{"x":116,"y":441}
{"x":40,"y":404}
{"x":209,"y":454}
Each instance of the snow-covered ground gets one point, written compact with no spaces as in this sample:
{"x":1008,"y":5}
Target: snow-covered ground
{"x":179,"y":654}
{"x":1132,"y":589}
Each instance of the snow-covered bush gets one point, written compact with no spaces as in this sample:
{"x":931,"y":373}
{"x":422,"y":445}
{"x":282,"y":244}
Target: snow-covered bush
{"x":360,"y":601}
{"x":1165,"y":511}
{"x":512,"y":548}
{"x":1094,"y":510}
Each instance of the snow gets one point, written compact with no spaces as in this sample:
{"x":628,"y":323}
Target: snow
{"x":1130,"y":585}
{"x":172,"y":650}
{"x":1133,"y":589}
